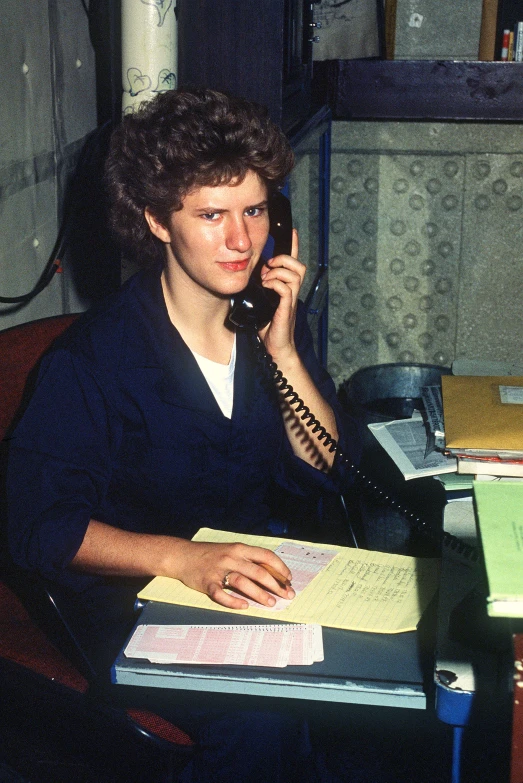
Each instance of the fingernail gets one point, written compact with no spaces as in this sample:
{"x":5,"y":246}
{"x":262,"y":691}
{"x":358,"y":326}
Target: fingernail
{"x":271,"y":601}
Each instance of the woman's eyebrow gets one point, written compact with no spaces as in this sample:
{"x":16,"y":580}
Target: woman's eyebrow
{"x":259,"y":205}
{"x":208,"y":208}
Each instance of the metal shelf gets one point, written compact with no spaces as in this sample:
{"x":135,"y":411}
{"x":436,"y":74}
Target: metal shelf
{"x":421,"y":89}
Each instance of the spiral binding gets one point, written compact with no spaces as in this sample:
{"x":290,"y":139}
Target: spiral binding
{"x":368,"y":486}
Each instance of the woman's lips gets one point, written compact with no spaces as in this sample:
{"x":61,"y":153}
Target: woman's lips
{"x":235,"y":266}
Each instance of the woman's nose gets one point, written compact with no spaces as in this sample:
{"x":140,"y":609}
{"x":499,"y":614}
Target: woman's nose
{"x":238,"y":236}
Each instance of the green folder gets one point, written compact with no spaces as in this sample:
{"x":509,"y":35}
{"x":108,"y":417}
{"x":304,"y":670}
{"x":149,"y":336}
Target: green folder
{"x":499,"y":507}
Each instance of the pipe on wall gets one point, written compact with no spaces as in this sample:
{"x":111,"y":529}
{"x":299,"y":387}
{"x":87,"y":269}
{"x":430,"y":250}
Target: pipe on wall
{"x":149,"y":50}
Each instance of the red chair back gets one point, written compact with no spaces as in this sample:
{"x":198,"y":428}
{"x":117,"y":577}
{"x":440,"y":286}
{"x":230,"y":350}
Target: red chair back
{"x":21,"y":347}
{"x":22,"y":642}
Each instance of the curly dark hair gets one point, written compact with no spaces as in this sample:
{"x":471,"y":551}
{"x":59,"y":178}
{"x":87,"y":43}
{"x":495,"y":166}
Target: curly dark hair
{"x":182,"y":139}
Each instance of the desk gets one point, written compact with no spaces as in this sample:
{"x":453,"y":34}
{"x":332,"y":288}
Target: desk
{"x":516,"y":765}
{"x":469,"y":671}
{"x":456,"y":667}
{"x":390,"y":670}
{"x":359,"y":668}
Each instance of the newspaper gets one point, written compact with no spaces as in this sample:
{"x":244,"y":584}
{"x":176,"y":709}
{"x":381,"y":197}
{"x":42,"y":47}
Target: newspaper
{"x":405,"y":441}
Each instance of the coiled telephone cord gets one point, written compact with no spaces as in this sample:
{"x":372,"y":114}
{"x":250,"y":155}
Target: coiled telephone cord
{"x":367,"y":485}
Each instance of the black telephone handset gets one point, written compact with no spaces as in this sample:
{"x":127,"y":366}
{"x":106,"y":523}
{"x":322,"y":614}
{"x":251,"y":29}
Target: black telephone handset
{"x":254,"y":307}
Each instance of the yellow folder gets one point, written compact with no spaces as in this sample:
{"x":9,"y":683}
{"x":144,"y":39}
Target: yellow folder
{"x":483,"y":412}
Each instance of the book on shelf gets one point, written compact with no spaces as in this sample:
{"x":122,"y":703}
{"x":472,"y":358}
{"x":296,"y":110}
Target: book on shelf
{"x":518,"y":43}
{"x":499,"y":510}
{"x":510,"y":52}
{"x":483,"y":415}
{"x":505,"y":46}
{"x":510,"y":13}
{"x":512,"y":45}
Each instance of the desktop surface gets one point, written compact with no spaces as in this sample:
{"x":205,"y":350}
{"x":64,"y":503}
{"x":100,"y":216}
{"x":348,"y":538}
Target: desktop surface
{"x":358,"y":667}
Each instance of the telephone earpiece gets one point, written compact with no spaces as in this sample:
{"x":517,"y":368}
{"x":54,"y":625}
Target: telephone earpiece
{"x":280,"y":224}
{"x":254,"y":307}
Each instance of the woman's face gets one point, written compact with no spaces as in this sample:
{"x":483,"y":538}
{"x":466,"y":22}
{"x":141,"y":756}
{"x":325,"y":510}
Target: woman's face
{"x":217,"y":237}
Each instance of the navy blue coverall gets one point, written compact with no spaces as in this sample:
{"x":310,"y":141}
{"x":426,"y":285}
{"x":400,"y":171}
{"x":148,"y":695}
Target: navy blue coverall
{"x":123,"y":428}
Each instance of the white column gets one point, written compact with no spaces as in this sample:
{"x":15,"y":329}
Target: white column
{"x":149,"y":50}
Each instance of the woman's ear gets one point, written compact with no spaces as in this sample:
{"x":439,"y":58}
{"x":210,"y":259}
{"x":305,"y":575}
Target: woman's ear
{"x":156,"y":227}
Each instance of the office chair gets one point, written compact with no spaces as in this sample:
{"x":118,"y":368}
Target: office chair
{"x":43,"y":671}
{"x":21,"y":347}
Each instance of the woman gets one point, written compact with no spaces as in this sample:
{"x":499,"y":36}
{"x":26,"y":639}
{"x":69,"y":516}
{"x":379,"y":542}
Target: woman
{"x":150,"y":418}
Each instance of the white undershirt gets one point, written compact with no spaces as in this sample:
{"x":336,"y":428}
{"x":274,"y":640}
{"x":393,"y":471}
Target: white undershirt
{"x":220,"y":378}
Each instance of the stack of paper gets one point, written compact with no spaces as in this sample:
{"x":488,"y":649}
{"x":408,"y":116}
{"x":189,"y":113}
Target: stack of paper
{"x":240,"y":645}
{"x":484,"y":423}
{"x":456,"y":486}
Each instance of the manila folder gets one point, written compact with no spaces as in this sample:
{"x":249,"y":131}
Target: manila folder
{"x":483,"y":412}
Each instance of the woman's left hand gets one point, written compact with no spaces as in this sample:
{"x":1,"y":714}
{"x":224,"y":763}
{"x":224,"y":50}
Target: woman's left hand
{"x":285,"y":275}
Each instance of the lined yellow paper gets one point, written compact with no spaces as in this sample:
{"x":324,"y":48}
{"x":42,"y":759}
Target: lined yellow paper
{"x":358,"y":590}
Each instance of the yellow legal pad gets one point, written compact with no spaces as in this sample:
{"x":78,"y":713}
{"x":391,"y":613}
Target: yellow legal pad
{"x":358,"y":590}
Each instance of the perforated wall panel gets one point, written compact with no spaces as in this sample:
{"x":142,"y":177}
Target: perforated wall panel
{"x":425,"y":237}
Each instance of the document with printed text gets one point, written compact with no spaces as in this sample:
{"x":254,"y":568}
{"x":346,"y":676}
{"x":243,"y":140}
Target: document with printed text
{"x":405,"y":441}
{"x":357,"y":589}
{"x":240,"y":645}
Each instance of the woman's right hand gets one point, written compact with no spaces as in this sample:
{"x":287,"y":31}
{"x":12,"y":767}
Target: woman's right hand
{"x":204,"y":566}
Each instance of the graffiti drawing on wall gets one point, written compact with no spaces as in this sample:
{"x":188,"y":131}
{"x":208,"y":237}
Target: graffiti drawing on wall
{"x":162,"y":6}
